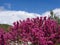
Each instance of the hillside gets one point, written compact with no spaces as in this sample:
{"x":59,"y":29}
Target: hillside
{"x":5,"y":26}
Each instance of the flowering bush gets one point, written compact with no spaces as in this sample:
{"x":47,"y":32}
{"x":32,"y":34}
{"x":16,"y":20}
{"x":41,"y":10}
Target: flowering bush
{"x":38,"y":31}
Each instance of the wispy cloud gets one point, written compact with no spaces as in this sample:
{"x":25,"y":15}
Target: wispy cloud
{"x":2,"y":8}
{"x":5,"y":6}
{"x":8,"y":5}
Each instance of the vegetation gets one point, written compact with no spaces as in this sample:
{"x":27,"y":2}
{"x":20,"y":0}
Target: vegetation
{"x":37,"y":31}
{"x":5,"y":26}
{"x":53,"y":16}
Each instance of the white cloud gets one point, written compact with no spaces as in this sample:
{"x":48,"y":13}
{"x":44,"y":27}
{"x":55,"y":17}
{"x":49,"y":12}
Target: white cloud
{"x":55,"y":11}
{"x":46,"y":14}
{"x":8,"y":5}
{"x":8,"y":17}
{"x":2,"y":8}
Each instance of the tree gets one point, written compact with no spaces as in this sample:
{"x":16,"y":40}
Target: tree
{"x":53,"y":16}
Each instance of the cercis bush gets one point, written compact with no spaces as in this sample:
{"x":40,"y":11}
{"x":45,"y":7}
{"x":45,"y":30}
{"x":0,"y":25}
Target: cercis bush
{"x":4,"y":37}
{"x":39,"y":31}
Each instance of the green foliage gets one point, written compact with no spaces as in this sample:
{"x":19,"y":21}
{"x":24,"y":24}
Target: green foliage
{"x":59,"y":20}
{"x":58,"y":44}
{"x":54,"y":17}
{"x":51,"y":13}
{"x":5,"y":26}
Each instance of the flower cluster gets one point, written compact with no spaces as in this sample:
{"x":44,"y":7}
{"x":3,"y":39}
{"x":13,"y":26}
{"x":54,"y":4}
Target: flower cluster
{"x":38,"y":31}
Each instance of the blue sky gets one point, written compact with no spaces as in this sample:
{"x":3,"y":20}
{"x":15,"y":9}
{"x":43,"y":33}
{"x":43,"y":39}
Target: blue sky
{"x":33,"y":6}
